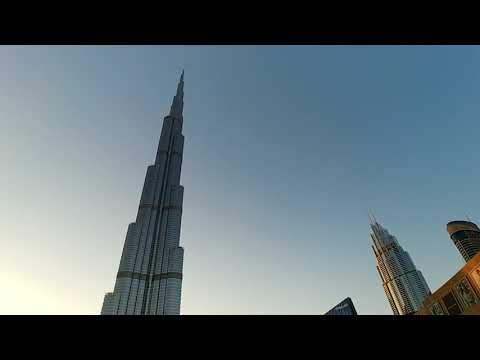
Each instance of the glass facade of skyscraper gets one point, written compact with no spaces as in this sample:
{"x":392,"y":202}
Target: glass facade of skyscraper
{"x":149,"y":278}
{"x":343,"y":308}
{"x":404,"y":285}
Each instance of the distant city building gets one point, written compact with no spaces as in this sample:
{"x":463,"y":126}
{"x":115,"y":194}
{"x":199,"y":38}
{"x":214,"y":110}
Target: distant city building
{"x":466,"y":237}
{"x":460,"y":295}
{"x":108,"y":305}
{"x":149,"y":278}
{"x":404,"y":285}
{"x":343,"y":308}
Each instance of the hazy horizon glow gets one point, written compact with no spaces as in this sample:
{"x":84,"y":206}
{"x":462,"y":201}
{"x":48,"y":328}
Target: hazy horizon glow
{"x":286,"y":148}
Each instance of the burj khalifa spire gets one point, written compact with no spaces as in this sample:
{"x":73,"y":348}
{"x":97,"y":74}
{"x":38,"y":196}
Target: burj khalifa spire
{"x":149,"y":278}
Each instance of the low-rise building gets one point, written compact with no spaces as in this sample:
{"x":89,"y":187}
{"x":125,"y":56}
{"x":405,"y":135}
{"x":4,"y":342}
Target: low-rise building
{"x":460,"y":295}
{"x":346,"y":307}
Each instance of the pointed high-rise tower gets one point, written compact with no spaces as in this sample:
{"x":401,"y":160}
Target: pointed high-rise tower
{"x":149,"y":278}
{"x":404,"y":285}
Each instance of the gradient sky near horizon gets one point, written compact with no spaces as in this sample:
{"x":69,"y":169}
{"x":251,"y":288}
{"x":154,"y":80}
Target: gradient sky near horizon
{"x":286,"y":149}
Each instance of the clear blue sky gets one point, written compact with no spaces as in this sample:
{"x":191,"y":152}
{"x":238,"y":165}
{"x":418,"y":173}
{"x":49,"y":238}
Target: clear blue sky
{"x":287,"y":147}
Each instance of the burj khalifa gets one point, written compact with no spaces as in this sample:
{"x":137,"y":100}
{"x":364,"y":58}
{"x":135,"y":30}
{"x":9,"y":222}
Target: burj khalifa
{"x":149,"y":278}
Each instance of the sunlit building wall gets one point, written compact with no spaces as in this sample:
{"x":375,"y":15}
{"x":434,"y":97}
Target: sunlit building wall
{"x":460,"y":295}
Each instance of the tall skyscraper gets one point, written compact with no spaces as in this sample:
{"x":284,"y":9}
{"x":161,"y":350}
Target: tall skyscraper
{"x":149,"y":278}
{"x":466,"y":237}
{"x":404,"y":285}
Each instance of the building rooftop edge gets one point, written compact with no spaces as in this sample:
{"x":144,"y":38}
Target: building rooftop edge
{"x":459,"y":225}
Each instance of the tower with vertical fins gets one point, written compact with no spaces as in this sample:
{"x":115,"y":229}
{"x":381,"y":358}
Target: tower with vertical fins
{"x":404,"y":285}
{"x":149,"y":277}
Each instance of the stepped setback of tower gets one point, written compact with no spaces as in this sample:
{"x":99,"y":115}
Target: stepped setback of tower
{"x":149,"y":278}
{"x":404,"y":285}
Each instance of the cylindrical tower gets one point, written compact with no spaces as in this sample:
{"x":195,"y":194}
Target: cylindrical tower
{"x":466,"y":237}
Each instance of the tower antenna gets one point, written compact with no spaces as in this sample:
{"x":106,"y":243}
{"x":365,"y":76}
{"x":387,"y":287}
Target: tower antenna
{"x":370,"y":216}
{"x":468,"y":217}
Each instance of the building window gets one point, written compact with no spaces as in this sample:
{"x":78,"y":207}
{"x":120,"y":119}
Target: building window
{"x":465,"y":293}
{"x":453,"y":308}
{"x":436,"y":309}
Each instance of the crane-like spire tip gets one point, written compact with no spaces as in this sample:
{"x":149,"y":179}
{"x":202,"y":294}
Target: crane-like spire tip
{"x":373,"y":220}
{"x":177,"y":105}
